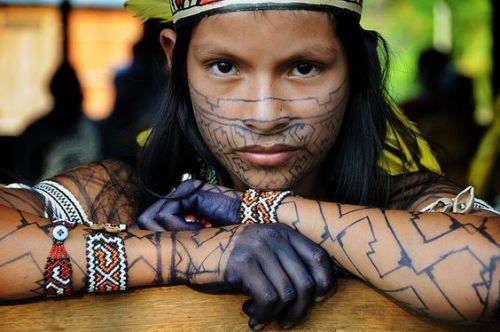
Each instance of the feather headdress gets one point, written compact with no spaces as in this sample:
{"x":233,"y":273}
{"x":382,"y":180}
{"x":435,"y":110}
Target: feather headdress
{"x":148,"y":9}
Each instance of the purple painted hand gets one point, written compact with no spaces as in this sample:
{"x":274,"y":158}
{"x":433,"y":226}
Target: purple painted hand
{"x":217,"y":205}
{"x":283,"y":272}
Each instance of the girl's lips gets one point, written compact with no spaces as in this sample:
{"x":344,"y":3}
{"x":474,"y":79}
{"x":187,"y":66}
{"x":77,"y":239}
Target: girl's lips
{"x":267,"y":156}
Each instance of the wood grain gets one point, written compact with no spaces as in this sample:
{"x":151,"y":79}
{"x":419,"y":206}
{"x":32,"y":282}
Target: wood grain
{"x":354,"y":307}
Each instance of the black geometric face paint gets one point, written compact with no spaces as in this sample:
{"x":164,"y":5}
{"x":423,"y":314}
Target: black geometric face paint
{"x":308,"y":126}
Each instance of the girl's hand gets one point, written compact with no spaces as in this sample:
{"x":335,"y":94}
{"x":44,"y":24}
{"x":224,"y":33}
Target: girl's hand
{"x":282,"y":271}
{"x":217,"y":204}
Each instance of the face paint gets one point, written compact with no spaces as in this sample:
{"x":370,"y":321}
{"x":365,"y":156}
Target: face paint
{"x":269,"y":117}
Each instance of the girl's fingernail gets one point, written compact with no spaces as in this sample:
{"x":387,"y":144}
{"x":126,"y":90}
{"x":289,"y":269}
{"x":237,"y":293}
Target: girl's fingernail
{"x":259,"y":327}
{"x":319,"y":298}
{"x":246,"y":307}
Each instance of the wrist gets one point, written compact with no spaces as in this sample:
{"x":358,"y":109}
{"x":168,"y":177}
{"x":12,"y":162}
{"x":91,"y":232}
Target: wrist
{"x":260,"y":206}
{"x":200,"y":258}
{"x":287,"y":211}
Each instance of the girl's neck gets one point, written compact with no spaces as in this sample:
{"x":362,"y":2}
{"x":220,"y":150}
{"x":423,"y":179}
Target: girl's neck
{"x":310,"y":187}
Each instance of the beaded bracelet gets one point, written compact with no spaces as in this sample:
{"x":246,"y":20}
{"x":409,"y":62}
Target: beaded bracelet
{"x":106,"y":258}
{"x":58,"y":270}
{"x":260,"y":207}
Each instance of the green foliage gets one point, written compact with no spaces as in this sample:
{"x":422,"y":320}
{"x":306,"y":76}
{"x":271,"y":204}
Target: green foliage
{"x":408,"y":28}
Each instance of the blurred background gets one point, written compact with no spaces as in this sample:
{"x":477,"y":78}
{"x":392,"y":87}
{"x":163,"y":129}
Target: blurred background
{"x":79,"y":79}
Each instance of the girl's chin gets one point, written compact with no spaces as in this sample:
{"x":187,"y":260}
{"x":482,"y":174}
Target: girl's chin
{"x":302,"y":184}
{"x":267,"y":182}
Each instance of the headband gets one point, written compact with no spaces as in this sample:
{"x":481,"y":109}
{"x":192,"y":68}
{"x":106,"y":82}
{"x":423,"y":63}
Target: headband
{"x":178,"y":11}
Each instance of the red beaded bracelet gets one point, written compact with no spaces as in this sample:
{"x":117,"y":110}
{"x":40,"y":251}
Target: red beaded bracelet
{"x":58,"y":270}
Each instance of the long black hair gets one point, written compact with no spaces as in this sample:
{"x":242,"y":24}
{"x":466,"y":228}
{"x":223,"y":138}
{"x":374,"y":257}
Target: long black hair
{"x":350,"y":170}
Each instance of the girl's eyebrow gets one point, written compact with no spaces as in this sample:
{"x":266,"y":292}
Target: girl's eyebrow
{"x":213,"y":50}
{"x":315,"y":50}
{"x":309,"y":50}
{"x":210,"y":48}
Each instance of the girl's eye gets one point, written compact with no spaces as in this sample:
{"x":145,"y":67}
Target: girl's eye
{"x":223,"y":69}
{"x":305,"y":70}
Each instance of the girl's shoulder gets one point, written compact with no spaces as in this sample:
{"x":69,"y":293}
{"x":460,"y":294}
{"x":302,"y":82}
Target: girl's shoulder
{"x":416,"y":190}
{"x":430,"y":192}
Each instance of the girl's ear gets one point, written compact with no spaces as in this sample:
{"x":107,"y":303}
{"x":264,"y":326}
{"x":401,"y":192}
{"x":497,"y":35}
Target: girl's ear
{"x":167,"y":41}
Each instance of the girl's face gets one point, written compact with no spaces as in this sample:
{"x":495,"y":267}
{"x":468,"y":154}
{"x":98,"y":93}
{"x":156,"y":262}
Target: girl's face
{"x":269,"y":90}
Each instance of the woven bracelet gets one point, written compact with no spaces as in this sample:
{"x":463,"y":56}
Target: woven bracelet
{"x":106,"y":259}
{"x":261,"y":207}
{"x":61,"y":203}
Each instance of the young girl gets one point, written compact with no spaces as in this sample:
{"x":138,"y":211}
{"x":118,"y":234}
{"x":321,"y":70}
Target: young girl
{"x":279,"y":107}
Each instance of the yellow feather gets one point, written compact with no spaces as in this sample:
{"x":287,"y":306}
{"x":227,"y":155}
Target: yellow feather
{"x":393,"y":164}
{"x":148,"y":9}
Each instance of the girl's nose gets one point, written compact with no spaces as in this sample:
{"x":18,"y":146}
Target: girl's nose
{"x":268,"y":111}
{"x":267,"y":115}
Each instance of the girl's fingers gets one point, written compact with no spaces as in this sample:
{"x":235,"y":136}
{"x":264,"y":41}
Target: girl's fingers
{"x":277,"y":274}
{"x":317,"y":261}
{"x":218,"y":207}
{"x":165,"y":215}
{"x":176,"y":223}
{"x":147,"y":219}
{"x":255,"y":283}
{"x":303,"y":284}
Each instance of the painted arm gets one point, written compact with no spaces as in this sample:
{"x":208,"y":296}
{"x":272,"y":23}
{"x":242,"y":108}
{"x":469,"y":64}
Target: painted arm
{"x":442,"y":265}
{"x":107,"y":191}
{"x":290,"y":274}
{"x":25,"y":241}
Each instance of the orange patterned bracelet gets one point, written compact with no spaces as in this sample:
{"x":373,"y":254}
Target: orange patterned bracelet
{"x":260,"y":207}
{"x":106,"y":259}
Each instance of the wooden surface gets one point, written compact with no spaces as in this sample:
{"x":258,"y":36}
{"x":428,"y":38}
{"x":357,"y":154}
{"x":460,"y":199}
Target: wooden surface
{"x":355,"y":307}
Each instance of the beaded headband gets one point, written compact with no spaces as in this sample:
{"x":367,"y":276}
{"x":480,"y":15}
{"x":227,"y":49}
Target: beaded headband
{"x":181,"y":10}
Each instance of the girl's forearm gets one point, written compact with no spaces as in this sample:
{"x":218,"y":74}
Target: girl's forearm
{"x":443,"y":265}
{"x":25,"y":242}
{"x":153,"y":258}
{"x":22,"y":199}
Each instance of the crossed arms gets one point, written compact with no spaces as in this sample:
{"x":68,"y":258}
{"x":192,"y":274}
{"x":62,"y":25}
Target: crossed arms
{"x":442,"y":265}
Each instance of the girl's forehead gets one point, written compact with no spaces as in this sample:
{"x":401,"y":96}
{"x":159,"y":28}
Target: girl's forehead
{"x":269,"y":15}
{"x":272,"y":21}
{"x":270,"y":32}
